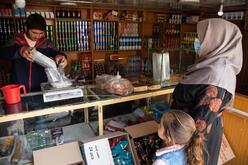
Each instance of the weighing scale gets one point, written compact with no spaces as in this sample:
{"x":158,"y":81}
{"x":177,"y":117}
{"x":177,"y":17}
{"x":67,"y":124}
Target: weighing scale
{"x":51,"y":93}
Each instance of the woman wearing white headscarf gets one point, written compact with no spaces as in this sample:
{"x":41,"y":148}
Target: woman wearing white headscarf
{"x":210,"y":84}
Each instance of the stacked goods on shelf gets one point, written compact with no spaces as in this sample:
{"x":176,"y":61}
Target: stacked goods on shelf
{"x":155,"y":36}
{"x":171,"y":37}
{"x":49,"y":32}
{"x":161,"y":17}
{"x":129,"y":16}
{"x":81,"y":69}
{"x":85,"y":68}
{"x":45,"y":14}
{"x":19,"y":25}
{"x":105,"y":36}
{"x":134,"y":65}
{"x":238,"y":15}
{"x":129,"y":37}
{"x":5,"y":12}
{"x":188,"y":40}
{"x":175,"y":19}
{"x":83,"y":35}
{"x":99,"y":68}
{"x":73,"y":35}
{"x":68,"y":13}
{"x":6,"y":30}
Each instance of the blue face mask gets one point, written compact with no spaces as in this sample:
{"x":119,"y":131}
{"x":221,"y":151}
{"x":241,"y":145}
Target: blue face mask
{"x":197,"y":45}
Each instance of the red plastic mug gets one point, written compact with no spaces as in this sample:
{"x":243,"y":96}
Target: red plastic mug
{"x":11,"y":93}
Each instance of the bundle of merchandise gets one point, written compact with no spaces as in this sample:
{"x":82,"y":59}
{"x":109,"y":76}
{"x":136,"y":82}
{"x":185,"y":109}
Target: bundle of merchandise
{"x":114,"y":84}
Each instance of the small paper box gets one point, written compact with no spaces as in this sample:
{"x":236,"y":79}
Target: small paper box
{"x":66,"y":154}
{"x":140,"y":130}
{"x":97,"y":150}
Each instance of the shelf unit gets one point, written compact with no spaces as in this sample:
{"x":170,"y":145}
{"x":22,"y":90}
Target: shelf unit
{"x":145,"y":19}
{"x":125,"y":34}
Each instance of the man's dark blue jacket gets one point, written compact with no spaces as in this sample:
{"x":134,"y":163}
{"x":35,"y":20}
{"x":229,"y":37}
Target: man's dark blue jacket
{"x":23,"y":71}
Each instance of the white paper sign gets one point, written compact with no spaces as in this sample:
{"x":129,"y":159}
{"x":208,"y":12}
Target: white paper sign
{"x":98,"y":152}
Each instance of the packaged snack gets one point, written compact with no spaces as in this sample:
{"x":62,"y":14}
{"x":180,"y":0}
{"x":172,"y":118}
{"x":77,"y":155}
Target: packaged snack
{"x":114,"y":84}
{"x":118,"y":85}
{"x":102,"y":79}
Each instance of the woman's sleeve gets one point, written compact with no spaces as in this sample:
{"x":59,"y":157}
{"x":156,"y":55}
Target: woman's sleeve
{"x":209,"y":104}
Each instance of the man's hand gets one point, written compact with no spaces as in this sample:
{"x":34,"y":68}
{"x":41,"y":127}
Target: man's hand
{"x":26,"y":52}
{"x":61,"y":60}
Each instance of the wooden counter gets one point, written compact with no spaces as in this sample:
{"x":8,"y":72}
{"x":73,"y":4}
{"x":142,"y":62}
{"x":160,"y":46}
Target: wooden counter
{"x":98,"y":102}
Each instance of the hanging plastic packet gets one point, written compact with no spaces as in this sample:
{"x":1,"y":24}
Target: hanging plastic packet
{"x":56,"y":76}
{"x":161,"y":66}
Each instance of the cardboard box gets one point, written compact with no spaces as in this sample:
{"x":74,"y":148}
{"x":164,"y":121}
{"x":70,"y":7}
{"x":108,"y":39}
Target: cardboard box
{"x":140,"y":130}
{"x":66,"y":154}
{"x":226,"y":153}
{"x":97,"y":150}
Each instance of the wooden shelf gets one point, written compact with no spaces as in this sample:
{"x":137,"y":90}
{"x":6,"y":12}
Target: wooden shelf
{"x":95,"y":20}
{"x":131,"y":50}
{"x":71,"y":19}
{"x":77,"y":51}
{"x":124,"y":21}
{"x":7,"y":17}
{"x":105,"y":50}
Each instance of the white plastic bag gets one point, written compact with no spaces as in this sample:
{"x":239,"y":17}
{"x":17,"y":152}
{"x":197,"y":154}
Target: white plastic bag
{"x":161,"y":66}
{"x":56,"y":76}
{"x":43,"y":60}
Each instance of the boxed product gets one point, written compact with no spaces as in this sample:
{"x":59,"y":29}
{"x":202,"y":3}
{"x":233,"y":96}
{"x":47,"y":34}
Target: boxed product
{"x":66,"y":154}
{"x":97,"y":15}
{"x":145,"y":141}
{"x":110,"y":149}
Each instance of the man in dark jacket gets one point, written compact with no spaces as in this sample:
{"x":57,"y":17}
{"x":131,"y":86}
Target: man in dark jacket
{"x":18,"y":50}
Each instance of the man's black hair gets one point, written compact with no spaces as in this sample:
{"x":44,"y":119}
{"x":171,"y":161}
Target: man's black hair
{"x":35,"y":21}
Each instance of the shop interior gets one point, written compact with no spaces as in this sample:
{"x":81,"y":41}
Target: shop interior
{"x":144,"y":46}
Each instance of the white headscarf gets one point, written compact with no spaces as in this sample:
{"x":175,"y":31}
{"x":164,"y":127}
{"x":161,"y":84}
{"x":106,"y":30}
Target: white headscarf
{"x":220,"y":55}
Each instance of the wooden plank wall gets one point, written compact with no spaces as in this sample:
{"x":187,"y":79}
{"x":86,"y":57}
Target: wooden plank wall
{"x":236,"y":131}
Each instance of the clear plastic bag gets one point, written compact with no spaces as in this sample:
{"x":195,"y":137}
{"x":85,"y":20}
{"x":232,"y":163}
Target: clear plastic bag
{"x":43,"y":60}
{"x":115,"y":84}
{"x":102,"y":79}
{"x":56,"y":76}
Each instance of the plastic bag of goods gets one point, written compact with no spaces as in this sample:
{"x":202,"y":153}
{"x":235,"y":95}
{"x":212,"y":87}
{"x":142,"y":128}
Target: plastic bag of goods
{"x":119,"y":86}
{"x":55,"y":75}
{"x":102,"y":79}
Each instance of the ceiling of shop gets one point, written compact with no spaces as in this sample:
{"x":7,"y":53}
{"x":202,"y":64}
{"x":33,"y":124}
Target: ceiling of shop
{"x":188,"y":4}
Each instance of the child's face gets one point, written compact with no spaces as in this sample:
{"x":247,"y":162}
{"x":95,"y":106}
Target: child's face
{"x":161,"y":130}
